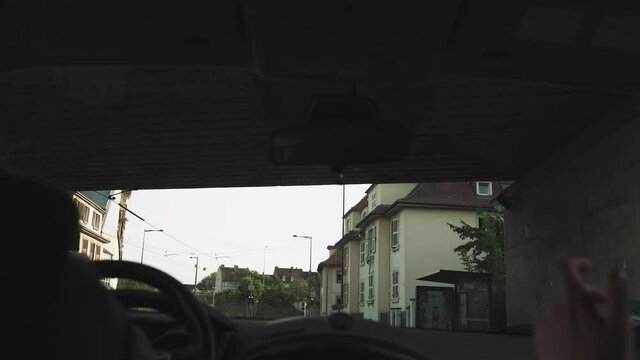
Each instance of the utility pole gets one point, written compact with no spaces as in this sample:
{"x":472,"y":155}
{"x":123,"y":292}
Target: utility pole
{"x":195,"y":283}
{"x":264,"y":260}
{"x":309,"y":278}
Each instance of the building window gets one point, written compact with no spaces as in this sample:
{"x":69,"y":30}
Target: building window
{"x":84,"y":249}
{"x":362,"y":292}
{"x":284,"y":278}
{"x":95,"y":252}
{"x":394,"y":283}
{"x":83,"y":212}
{"x":394,"y":234}
{"x":371,"y":240}
{"x":363,"y":214}
{"x":374,"y":201}
{"x":345,"y":292}
{"x":483,"y":188}
{"x":95,"y":220}
{"x":106,"y":283}
{"x":106,"y":254}
{"x":339,"y":277}
{"x":347,"y":225}
{"x":370,"y":294}
{"x":395,"y":317}
{"x":345,"y":253}
{"x":362,"y":252}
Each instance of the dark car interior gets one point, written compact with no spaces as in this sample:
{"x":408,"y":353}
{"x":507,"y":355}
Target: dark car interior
{"x":232,"y":93}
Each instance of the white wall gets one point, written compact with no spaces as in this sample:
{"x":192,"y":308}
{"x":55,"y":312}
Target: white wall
{"x":380,"y":272}
{"x":387,"y":194}
{"x":330,"y":289}
{"x":426,"y":244}
{"x":354,"y":218}
{"x":353,"y":277}
{"x":392,"y":192}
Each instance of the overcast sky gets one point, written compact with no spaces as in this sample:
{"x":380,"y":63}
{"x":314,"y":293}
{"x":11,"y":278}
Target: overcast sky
{"x":237,"y":223}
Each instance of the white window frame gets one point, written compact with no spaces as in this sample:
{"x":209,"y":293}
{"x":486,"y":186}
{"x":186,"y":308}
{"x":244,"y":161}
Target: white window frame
{"x":345,"y":290}
{"x":345,"y":251}
{"x":370,"y":288}
{"x":82,"y":206}
{"x":371,"y":241}
{"x":96,"y":224}
{"x":395,"y":234}
{"x":478,"y":188}
{"x":395,"y":284}
{"x":347,"y":224}
{"x":82,"y":249}
{"x":374,"y":201}
{"x":338,"y":277}
{"x":361,"y":293}
{"x":363,"y":252}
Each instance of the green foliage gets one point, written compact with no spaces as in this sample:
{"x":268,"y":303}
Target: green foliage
{"x":208,"y":283}
{"x":483,"y":251}
{"x":269,"y":301}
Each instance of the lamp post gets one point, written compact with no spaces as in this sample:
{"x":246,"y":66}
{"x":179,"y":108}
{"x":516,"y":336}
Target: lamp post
{"x":143,"y":237}
{"x":309,"y":278}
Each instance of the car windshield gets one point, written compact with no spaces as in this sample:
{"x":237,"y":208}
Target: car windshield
{"x":430,"y":167}
{"x":415,"y":255}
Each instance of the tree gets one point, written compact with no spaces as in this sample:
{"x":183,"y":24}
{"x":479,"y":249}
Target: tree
{"x":483,"y":251}
{"x":208,"y":283}
{"x":271,"y":300}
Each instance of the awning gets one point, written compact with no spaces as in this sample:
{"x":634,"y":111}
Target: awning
{"x":454,"y":277}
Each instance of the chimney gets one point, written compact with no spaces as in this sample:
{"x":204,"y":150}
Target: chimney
{"x":331,"y":249}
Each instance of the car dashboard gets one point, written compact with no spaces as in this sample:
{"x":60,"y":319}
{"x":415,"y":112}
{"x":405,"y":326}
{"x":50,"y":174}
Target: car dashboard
{"x":338,"y":336}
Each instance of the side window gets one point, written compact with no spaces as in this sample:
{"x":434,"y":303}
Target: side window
{"x":483,"y":188}
{"x":394,"y":234}
{"x":95,"y":220}
{"x":345,"y":252}
{"x":83,"y":212}
{"x":84,"y":249}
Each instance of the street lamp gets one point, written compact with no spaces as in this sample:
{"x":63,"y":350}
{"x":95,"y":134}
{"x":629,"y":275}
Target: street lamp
{"x":309,"y":279}
{"x":143,"y":236}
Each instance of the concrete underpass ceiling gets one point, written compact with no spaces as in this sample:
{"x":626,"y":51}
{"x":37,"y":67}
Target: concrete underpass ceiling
{"x":193,"y":102}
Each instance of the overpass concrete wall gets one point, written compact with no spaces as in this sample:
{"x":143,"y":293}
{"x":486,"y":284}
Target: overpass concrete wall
{"x":583,"y":200}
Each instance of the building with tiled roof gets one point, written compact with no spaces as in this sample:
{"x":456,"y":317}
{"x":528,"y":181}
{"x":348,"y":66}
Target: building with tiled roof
{"x":398,"y":233}
{"x":331,"y":281}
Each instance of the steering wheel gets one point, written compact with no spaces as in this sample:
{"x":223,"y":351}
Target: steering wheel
{"x":183,"y":305}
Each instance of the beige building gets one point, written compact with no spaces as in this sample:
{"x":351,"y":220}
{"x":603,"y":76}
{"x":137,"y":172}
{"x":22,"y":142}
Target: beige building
{"x":101,"y":224}
{"x":399,"y":233}
{"x":331,"y":281}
